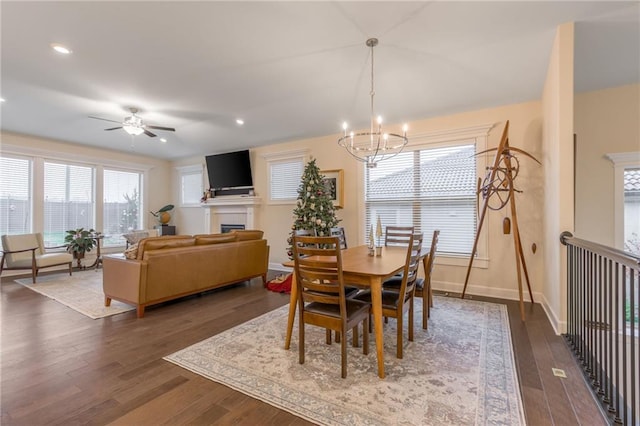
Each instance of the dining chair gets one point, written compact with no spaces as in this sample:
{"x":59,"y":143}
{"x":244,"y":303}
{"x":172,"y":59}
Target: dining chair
{"x":339,"y":232}
{"x":27,"y":251}
{"x":396,"y":303}
{"x":423,"y":285}
{"x":321,"y":293}
{"x":397,"y":235}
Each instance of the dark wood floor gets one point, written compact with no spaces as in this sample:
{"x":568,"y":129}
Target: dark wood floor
{"x":62,"y":368}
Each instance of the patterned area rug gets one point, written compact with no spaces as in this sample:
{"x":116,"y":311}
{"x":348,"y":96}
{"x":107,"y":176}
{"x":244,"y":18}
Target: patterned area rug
{"x":460,"y":371}
{"x":82,"y":292}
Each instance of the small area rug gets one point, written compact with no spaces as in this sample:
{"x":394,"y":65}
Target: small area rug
{"x":460,"y":371}
{"x":81,"y":291}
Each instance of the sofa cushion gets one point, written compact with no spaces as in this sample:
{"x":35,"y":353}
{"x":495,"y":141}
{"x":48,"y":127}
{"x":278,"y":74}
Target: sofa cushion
{"x":214,"y":239}
{"x":167,"y":241}
{"x":247,"y":234}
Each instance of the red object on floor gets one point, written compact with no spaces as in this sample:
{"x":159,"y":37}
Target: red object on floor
{"x":280,"y":285}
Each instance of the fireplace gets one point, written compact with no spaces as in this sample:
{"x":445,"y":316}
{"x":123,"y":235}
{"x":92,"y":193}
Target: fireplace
{"x":226,"y":227}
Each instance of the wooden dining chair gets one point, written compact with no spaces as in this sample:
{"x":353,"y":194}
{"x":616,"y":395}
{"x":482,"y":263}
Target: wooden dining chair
{"x":397,"y":235}
{"x":423,"y":285}
{"x":321,"y":293}
{"x":339,"y":232}
{"x":396,"y":303}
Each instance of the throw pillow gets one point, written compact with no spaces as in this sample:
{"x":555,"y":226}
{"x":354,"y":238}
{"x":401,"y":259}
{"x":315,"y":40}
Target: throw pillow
{"x":131,"y":252}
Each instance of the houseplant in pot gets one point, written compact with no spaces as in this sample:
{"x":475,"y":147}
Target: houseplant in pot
{"x":79,"y":241}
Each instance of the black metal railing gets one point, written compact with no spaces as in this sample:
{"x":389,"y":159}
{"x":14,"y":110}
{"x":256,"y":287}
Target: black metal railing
{"x":602,"y":323}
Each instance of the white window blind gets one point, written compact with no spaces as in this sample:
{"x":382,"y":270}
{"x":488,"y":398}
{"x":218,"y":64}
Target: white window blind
{"x":15,"y":195}
{"x":284,"y":179}
{"x":632,"y":210}
{"x":68,"y":200}
{"x":428,"y":189}
{"x":191,"y":186}
{"x":122,"y":205}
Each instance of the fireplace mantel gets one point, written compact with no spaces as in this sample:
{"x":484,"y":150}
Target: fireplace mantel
{"x":236,"y":209}
{"x":232,"y":201}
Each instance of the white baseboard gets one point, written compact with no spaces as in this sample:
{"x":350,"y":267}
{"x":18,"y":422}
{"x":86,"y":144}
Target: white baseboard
{"x":559,"y":327}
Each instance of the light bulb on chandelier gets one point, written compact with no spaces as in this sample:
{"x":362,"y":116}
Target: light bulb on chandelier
{"x":373,"y":146}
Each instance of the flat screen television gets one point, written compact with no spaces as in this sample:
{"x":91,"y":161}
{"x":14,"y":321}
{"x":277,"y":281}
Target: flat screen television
{"x":230,"y":170}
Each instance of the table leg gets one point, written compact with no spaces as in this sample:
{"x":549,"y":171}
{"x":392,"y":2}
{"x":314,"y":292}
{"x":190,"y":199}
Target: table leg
{"x":293,"y":303}
{"x":376,"y":303}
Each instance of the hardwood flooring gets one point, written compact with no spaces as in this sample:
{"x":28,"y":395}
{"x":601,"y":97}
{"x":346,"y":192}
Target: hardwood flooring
{"x":62,"y":368}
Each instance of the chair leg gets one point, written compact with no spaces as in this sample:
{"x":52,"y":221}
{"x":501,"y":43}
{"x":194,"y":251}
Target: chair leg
{"x":328,"y":336}
{"x":399,"y":322}
{"x":338,"y":337}
{"x":70,"y":268}
{"x":425,"y":309}
{"x":355,"y":341}
{"x":343,"y":350}
{"x":410,"y":325}
{"x":301,"y":340}
{"x":365,"y":336}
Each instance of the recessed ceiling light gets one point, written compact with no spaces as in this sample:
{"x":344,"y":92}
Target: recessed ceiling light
{"x":239,"y":121}
{"x":2,"y":100}
{"x":60,"y":48}
{"x":163,"y":140}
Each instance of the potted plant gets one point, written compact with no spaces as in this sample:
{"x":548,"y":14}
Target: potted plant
{"x":79,"y":241}
{"x":163,"y":214}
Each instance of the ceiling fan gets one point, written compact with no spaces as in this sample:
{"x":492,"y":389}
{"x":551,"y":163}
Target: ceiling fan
{"x":134,"y":125}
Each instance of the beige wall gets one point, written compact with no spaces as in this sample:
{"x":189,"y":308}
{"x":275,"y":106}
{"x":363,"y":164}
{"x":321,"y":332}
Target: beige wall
{"x":557,"y":107}
{"x":158,"y":172}
{"x":606,"y":121}
{"x":499,"y":278}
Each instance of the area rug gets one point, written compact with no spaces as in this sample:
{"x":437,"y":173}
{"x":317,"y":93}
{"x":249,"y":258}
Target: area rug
{"x":81,"y":291}
{"x":460,"y":371}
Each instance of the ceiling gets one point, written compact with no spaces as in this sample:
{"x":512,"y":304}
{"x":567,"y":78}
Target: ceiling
{"x":290,"y":70}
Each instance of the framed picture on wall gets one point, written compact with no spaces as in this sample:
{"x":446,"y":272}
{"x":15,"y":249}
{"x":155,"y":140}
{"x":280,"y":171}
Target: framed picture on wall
{"x":334,"y":184}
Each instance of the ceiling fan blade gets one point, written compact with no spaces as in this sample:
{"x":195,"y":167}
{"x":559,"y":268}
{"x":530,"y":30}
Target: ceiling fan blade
{"x":114,"y":128}
{"x":103,"y":119}
{"x":169,"y":129}
{"x":148,"y":133}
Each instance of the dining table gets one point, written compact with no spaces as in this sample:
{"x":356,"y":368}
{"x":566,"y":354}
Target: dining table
{"x":363,"y":270}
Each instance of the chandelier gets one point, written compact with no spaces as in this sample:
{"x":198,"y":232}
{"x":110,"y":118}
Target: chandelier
{"x":375,"y":145}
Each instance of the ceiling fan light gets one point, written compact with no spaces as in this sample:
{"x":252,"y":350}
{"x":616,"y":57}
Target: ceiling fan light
{"x":133,"y":130}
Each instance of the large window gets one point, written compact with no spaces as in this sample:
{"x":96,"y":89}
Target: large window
{"x":429,"y":189}
{"x":15,"y":195}
{"x":69,"y":201}
{"x":122,"y":205}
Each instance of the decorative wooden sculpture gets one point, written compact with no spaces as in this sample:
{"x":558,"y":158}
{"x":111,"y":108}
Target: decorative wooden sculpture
{"x":497,"y":190}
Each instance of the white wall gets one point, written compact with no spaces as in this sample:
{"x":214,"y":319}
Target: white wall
{"x":557,"y":107}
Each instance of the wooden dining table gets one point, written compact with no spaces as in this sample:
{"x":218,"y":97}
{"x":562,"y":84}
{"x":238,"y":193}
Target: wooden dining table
{"x":364,"y":271}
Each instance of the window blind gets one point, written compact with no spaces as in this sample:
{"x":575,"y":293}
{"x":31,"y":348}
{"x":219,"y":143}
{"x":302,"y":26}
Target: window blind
{"x":68,"y":200}
{"x":428,"y":189}
{"x":15,"y":195}
{"x":191,"y":187}
{"x":284,"y":179}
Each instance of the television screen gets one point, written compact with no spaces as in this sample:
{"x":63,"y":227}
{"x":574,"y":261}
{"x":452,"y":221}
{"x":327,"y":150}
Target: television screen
{"x":230,"y":170}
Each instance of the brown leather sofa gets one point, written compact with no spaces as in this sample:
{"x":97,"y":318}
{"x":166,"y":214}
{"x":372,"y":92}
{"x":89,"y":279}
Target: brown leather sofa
{"x":170,"y":267}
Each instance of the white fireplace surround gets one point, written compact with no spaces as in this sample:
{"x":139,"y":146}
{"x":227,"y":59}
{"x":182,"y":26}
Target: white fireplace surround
{"x":229,"y":209}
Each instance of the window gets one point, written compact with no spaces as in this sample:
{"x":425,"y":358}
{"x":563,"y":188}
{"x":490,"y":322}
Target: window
{"x":285,"y":172}
{"x":15,"y":195}
{"x":122,"y":205}
{"x":68,"y":200}
{"x":429,"y":189}
{"x":191,"y":188}
{"x":632,"y":210}
{"x":626,"y":199}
